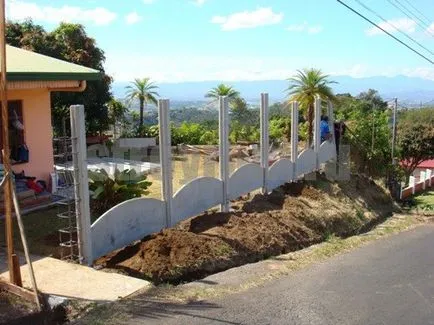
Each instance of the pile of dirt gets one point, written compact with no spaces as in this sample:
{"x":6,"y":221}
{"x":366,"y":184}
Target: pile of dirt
{"x":292,"y":217}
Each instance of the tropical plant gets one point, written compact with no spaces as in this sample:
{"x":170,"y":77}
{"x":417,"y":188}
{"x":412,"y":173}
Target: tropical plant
{"x":109,"y":190}
{"x":143,"y":90}
{"x":223,"y":90}
{"x":116,"y":111}
{"x":304,"y":87}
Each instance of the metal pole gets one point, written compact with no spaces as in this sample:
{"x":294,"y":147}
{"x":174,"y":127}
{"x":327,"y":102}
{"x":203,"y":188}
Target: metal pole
{"x":224,"y":149}
{"x":373,"y":127}
{"x":395,"y":107}
{"x":14,"y":273}
{"x":165,"y":158}
{"x":264,"y":140}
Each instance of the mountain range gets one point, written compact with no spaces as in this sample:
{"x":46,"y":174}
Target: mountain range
{"x":408,"y":90}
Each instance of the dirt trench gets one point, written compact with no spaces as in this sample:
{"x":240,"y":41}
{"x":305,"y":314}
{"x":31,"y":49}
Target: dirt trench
{"x":292,"y":217}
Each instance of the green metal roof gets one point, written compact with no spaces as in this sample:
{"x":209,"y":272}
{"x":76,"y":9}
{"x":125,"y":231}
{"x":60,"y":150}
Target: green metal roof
{"x":25,"y":65}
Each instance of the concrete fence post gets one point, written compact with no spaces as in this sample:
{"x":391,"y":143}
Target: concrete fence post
{"x":81,"y":184}
{"x":224,"y":149}
{"x":294,"y":138}
{"x":316,"y":132}
{"x":412,"y":184}
{"x":429,"y":177}
{"x":264,"y":142}
{"x":165,"y":157}
{"x":423,"y":179}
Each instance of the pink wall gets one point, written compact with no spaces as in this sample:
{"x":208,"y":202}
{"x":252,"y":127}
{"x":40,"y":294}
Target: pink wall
{"x":38,"y":132}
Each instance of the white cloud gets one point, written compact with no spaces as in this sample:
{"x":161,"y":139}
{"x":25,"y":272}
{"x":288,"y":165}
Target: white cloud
{"x":20,"y":10}
{"x":248,"y":19}
{"x":305,"y":27}
{"x":199,"y":3}
{"x":132,"y":18}
{"x":404,"y":24}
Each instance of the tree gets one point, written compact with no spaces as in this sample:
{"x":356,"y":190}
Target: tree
{"x":68,"y":42}
{"x":223,"y":90}
{"x":415,"y":144}
{"x":143,"y":90}
{"x":373,"y":98}
{"x":241,"y":113}
{"x":304,"y":87}
{"x":116,"y":111}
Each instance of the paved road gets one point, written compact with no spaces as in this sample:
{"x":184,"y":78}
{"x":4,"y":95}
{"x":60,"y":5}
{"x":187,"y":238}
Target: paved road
{"x":390,"y":281}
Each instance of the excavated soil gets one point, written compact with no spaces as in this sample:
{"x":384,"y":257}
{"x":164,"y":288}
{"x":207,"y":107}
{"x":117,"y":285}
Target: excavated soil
{"x":292,"y":217}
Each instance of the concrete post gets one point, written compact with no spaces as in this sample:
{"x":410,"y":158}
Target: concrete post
{"x":81,"y":184}
{"x":264,"y":140}
{"x":423,"y":179}
{"x":165,"y":157}
{"x":224,"y":149}
{"x":412,"y":184}
{"x":316,"y":131}
{"x":294,"y":137}
{"x":429,"y":177}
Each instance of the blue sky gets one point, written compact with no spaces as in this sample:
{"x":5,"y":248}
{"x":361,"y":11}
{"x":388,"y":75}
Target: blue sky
{"x":192,"y":40}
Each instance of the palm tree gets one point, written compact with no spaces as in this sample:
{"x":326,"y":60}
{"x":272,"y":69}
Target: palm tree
{"x":223,"y":90}
{"x":143,"y":90}
{"x":304,"y":87}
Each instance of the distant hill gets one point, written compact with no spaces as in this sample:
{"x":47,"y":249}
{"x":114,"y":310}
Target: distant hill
{"x":409,"y":90}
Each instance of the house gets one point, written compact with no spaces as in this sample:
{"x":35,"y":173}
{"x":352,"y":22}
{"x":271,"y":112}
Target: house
{"x":423,"y":166}
{"x":31,"y":78}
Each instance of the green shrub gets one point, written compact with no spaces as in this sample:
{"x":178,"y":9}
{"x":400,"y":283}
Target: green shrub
{"x":110,"y":190}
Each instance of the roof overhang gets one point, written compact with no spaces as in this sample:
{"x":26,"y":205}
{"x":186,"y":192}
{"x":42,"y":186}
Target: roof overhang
{"x":56,"y":85}
{"x":44,"y":76}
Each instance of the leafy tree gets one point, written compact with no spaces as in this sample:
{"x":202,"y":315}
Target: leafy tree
{"x":143,"y":90}
{"x":241,"y":113}
{"x":416,"y":144}
{"x":373,"y":98}
{"x":68,"y":42}
{"x":116,"y":111}
{"x":223,"y":90}
{"x":304,"y":87}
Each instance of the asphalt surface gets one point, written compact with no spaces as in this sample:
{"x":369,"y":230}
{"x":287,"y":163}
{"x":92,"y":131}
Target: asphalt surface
{"x":389,"y":281}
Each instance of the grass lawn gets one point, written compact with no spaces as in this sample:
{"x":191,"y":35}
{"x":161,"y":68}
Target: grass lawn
{"x":426,"y":198}
{"x":41,"y":232}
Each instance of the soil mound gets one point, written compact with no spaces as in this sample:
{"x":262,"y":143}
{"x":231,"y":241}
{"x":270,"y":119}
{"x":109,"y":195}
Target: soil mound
{"x":292,"y":217}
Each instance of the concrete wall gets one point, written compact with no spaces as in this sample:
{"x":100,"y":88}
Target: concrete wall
{"x":134,"y":219}
{"x":418,"y":184}
{"x":38,"y":132}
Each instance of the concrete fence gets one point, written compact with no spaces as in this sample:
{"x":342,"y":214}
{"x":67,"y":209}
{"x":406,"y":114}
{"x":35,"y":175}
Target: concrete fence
{"x":134,"y":219}
{"x":426,"y":180}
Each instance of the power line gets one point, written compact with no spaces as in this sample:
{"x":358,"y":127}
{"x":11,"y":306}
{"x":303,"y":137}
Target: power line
{"x":412,"y":13}
{"x":420,"y":12}
{"x":395,"y":38}
{"x":394,"y":26}
{"x":425,"y":28}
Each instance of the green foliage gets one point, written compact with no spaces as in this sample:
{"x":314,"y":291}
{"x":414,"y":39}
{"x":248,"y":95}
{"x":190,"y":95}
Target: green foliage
{"x":242,"y":114}
{"x":415,"y":143}
{"x":143,"y":90}
{"x":71,"y":43}
{"x":279,"y":128}
{"x":244,"y":133}
{"x":222,"y":90}
{"x":110,"y":190}
{"x":304,"y":87}
{"x":116,"y":111}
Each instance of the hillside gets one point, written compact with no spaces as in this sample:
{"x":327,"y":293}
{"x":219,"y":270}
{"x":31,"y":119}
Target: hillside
{"x":407,"y":89}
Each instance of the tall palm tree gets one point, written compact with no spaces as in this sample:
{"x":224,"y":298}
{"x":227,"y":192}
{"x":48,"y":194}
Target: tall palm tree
{"x":223,"y":90}
{"x":304,"y":87}
{"x":143,"y":90}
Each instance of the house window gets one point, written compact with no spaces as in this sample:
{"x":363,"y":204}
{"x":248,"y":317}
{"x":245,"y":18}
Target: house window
{"x":19,"y":152}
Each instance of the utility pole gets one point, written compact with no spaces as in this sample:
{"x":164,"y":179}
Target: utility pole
{"x":395,"y":108}
{"x":373,"y":127}
{"x":14,"y":271}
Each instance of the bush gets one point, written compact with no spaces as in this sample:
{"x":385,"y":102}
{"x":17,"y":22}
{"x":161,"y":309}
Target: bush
{"x":110,"y":190}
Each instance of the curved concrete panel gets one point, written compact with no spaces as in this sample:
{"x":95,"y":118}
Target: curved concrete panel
{"x":306,"y":162}
{"x":196,"y":197}
{"x":280,"y":173}
{"x":327,"y":151}
{"x":126,"y":222}
{"x":245,"y":179}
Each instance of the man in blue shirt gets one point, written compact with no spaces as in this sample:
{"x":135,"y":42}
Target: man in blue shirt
{"x":324,"y":128}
